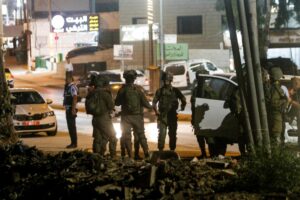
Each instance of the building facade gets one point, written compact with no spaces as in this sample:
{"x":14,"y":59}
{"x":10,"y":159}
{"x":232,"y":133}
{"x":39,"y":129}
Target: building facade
{"x":194,"y":22}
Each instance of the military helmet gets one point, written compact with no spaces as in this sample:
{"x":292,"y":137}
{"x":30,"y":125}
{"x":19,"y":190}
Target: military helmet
{"x":276,"y":73}
{"x":167,"y":76}
{"x":101,"y":81}
{"x":130,"y":74}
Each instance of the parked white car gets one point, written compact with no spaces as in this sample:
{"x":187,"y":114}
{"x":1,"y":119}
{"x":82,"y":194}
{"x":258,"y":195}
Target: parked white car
{"x":32,"y":112}
{"x":142,"y":78}
{"x":184,"y":72}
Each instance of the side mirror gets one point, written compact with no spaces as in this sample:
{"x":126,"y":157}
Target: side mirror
{"x":49,"y":101}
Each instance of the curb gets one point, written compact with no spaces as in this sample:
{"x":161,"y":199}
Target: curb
{"x":181,"y":116}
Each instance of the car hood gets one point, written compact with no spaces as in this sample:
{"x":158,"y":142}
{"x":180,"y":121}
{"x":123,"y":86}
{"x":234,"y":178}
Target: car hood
{"x":32,"y":109}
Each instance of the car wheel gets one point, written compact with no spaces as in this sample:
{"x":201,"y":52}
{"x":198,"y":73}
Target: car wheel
{"x":52,"y":133}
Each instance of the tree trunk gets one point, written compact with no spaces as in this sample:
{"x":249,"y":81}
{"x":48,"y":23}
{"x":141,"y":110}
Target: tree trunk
{"x":7,"y":131}
{"x":264,"y":29}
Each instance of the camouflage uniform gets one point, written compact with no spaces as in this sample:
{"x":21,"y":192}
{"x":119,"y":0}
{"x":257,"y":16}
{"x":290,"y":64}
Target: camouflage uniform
{"x":103,"y":130}
{"x":167,"y":99}
{"x":276,"y":104}
{"x":132,"y":118}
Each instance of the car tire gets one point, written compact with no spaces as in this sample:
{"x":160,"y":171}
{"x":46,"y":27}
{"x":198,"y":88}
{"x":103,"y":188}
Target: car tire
{"x":52,"y":133}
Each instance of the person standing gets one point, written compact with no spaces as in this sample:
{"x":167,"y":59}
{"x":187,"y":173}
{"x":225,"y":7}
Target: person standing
{"x":69,"y":67}
{"x":70,"y":101}
{"x":132,"y":101}
{"x":99,"y":103}
{"x":167,"y":99}
{"x":276,"y":104}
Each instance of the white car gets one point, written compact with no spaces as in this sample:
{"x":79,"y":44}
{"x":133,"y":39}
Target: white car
{"x":141,"y":79}
{"x":184,"y":72}
{"x":32,"y":113}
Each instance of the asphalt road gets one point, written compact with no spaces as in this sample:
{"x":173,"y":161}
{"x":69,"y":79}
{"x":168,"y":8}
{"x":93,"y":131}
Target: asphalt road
{"x":51,"y":87}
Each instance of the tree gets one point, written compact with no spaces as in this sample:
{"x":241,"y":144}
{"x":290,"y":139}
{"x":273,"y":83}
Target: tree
{"x":284,"y":11}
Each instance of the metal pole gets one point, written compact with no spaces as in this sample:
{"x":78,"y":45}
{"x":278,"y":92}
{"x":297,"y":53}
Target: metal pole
{"x":238,"y":68}
{"x":252,"y":24}
{"x":162,"y":51}
{"x":250,"y":75}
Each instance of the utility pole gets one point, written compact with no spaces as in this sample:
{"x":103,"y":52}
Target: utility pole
{"x":7,"y":131}
{"x":238,"y":68}
{"x":154,"y":71}
{"x":250,"y":75}
{"x":250,"y":6}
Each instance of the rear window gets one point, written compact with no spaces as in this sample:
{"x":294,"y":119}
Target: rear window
{"x":113,"y":77}
{"x":27,"y":98}
{"x":176,"y":69}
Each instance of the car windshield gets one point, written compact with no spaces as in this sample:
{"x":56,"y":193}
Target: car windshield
{"x":176,"y":69}
{"x":27,"y":98}
{"x":211,"y":67}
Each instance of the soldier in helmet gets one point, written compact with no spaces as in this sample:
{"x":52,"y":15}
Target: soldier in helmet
{"x":276,"y":102}
{"x":194,"y":122}
{"x":132,"y":101}
{"x":100,"y":104}
{"x":167,"y":99}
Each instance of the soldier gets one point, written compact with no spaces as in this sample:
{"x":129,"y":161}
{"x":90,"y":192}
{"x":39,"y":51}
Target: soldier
{"x":132,"y":101}
{"x":276,"y":103}
{"x":70,"y":101}
{"x":167,"y":99}
{"x":194,"y":122}
{"x":100,"y":104}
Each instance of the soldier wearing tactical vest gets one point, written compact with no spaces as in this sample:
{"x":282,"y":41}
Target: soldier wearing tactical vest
{"x":132,"y":101}
{"x":100,"y":104}
{"x":276,"y":102}
{"x":167,"y":99}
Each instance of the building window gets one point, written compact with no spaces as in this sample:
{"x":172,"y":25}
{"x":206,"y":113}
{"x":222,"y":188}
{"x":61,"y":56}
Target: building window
{"x":139,"y":20}
{"x":189,"y":25}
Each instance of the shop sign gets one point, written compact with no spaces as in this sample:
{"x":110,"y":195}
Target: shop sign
{"x":84,"y":23}
{"x":123,"y":52}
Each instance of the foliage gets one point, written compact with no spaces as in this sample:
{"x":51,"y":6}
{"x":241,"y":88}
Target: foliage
{"x":280,"y":173}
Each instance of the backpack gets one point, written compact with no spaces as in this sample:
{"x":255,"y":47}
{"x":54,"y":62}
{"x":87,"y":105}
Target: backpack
{"x":132,"y":100}
{"x":93,"y":104}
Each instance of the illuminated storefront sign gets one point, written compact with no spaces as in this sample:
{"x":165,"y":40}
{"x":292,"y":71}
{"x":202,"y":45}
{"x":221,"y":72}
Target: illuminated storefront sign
{"x":85,"y":23}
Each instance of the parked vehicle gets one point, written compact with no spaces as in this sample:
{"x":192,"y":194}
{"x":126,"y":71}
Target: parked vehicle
{"x":222,"y":87}
{"x":9,"y":78}
{"x":141,"y":79}
{"x":115,"y":83}
{"x":32,"y":112}
{"x":184,"y":72}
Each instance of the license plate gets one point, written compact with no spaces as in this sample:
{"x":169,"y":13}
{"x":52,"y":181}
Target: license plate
{"x":31,"y":123}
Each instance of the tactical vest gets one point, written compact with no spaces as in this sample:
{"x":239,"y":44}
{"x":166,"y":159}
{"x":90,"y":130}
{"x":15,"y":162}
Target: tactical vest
{"x":68,"y":99}
{"x":167,"y":100}
{"x":132,"y":101}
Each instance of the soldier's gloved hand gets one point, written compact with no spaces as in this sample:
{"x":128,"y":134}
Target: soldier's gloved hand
{"x":205,"y":106}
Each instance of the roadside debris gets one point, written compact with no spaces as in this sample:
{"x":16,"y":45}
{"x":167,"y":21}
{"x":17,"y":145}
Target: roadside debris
{"x":27,"y":173}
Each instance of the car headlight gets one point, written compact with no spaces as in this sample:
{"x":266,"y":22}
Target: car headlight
{"x":116,"y":87}
{"x":48,"y":114}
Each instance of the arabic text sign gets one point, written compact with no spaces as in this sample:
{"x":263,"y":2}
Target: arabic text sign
{"x":123,"y":52}
{"x":175,"y":51}
{"x":83,"y":23}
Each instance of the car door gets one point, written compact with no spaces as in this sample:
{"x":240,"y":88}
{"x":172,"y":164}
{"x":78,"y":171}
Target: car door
{"x":213,"y":91}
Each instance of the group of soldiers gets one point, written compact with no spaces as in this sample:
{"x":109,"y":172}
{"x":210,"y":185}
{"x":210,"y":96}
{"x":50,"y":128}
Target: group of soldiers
{"x":100,"y":104}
